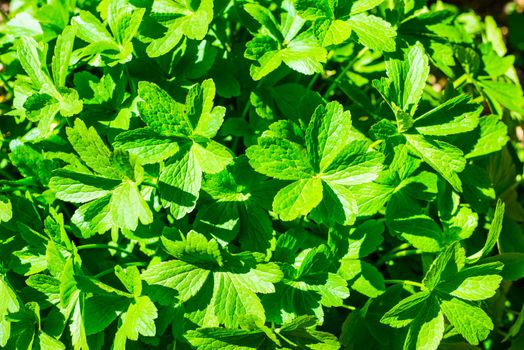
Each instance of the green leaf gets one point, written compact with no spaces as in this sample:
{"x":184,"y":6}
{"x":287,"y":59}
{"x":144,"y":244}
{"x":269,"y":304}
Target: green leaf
{"x":179,"y":184}
{"x":160,"y":112}
{"x":474,"y":283}
{"x":62,"y":56}
{"x":90,"y":29}
{"x":493,"y":137}
{"x":298,"y":198}
{"x":47,"y":342}
{"x":128,"y":207}
{"x":513,"y":269}
{"x":354,"y":165}
{"x":140,"y":318}
{"x":332,"y":32}
{"x":328,"y":125}
{"x":232,"y":289}
{"x":445,"y":158}
{"x":69,"y":102}
{"x":185,"y":278}
{"x":299,"y":332}
{"x":235,"y":295}
{"x":508,"y":95}
{"x":338,"y":205}
{"x":447,"y":263}
{"x":374,"y":32}
{"x":31,"y":60}
{"x":405,"y":217}
{"x":146,"y":144}
{"x":196,"y":249}
{"x":189,"y":19}
{"x":8,"y":304}
{"x":93,"y":151}
{"x":212,"y":156}
{"x":359,"y":6}
{"x":266,"y":63}
{"x":205,"y":118}
{"x":311,"y":10}
{"x":100,"y":311}
{"x":427,"y":329}
{"x":493,"y":234}
{"x":124,"y":20}
{"x":307,"y":286}
{"x":470,"y":321}
{"x":406,"y":81}
{"x":80,"y":188}
{"x":280,"y":158}
{"x":364,"y":277}
{"x":77,"y":326}
{"x":266,"y":19}
{"x":304,"y":55}
{"x":94,"y":217}
{"x":455,"y":116}
{"x":6,"y":209}
{"x":328,"y":30}
{"x":405,"y":311}
{"x":301,"y":52}
{"x":227,"y":339}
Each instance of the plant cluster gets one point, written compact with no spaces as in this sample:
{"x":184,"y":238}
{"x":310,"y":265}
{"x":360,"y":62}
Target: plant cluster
{"x":240,"y":174}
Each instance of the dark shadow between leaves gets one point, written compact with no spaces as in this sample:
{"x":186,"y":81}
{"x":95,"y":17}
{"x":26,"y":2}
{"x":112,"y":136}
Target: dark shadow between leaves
{"x":176,"y":195}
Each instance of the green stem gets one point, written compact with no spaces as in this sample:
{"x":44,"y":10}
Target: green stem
{"x":461,"y":80}
{"x":108,"y":271}
{"x":349,"y":307}
{"x":150,"y":184}
{"x":313,"y":81}
{"x":289,"y":341}
{"x":104,"y":246}
{"x":343,"y":72}
{"x":29,"y":181}
{"x":13,"y":188}
{"x":243,"y":116}
{"x":7,"y":175}
{"x":397,"y":255}
{"x":403,"y":246}
{"x":405,"y":282}
{"x":224,"y":46}
{"x":245,"y":111}
{"x":131,"y":82}
{"x":479,"y":99}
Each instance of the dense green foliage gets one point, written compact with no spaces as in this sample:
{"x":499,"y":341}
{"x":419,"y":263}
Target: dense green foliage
{"x":240,"y":174}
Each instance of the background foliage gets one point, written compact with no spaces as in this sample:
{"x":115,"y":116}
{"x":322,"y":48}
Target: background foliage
{"x":230,"y":174}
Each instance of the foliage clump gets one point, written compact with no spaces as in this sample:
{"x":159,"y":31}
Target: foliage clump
{"x":237,"y":174}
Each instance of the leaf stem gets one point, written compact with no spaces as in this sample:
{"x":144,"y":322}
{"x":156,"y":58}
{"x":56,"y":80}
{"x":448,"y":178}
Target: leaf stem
{"x":7,"y":189}
{"x":108,"y":271}
{"x":405,"y":282}
{"x":343,"y":72}
{"x":461,"y":80}
{"x":13,"y":181}
{"x":243,"y":116}
{"x":397,"y":255}
{"x":104,"y":246}
{"x":131,"y":82}
{"x":400,"y":247}
{"x":150,"y":184}
{"x":224,"y":46}
{"x":312,"y":81}
{"x":349,"y":307}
